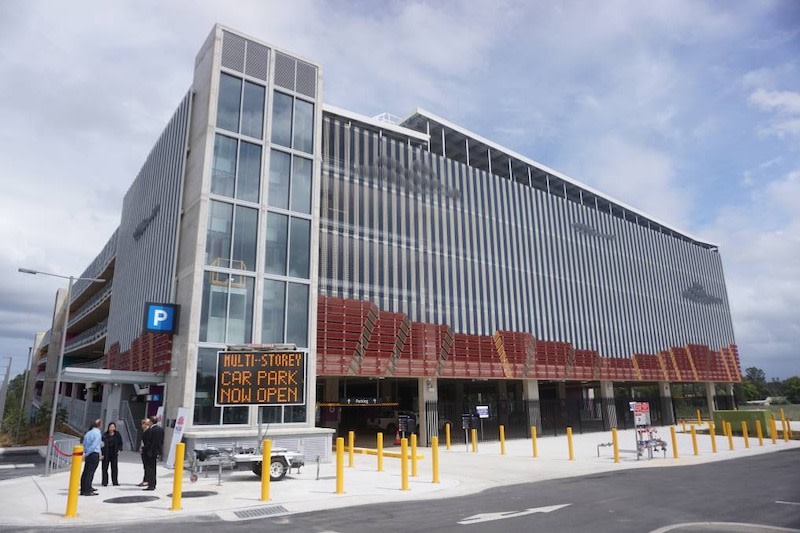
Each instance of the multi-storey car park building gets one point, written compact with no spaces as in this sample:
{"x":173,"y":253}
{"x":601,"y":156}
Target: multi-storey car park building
{"x":420,"y":265}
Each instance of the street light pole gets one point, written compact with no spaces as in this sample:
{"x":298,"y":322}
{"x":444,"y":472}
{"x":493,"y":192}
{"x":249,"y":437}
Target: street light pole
{"x":4,"y":394}
{"x":22,"y":405}
{"x":56,"y":392}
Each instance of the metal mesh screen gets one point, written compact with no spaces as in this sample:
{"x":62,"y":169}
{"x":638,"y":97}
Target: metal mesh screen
{"x":257,"y":64}
{"x":284,"y":71}
{"x":306,"y":79}
{"x":233,"y":48}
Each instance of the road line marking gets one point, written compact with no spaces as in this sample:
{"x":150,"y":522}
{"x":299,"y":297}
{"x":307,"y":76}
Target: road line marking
{"x":787,"y":503}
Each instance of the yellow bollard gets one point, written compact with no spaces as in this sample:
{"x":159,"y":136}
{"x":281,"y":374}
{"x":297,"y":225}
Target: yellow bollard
{"x":785,"y":430}
{"x":744,"y":434}
{"x":569,"y":444}
{"x":74,"y":481}
{"x":615,"y":441}
{"x":351,"y":440}
{"x":474,"y":435}
{"x":694,"y":440}
{"x":730,"y":435}
{"x":759,"y":433}
{"x":535,"y":444}
{"x":435,"y":458}
{"x":674,"y":442}
{"x":339,"y":465}
{"x":413,"y":455}
{"x":447,"y":435}
{"x":177,"y":477}
{"x":502,"y":440}
{"x":783,"y":416}
{"x":266,"y":460}
{"x":380,"y":451}
{"x":713,"y":438}
{"x":699,"y":419}
{"x":773,"y":430}
{"x":683,"y":426}
{"x":404,"y":464}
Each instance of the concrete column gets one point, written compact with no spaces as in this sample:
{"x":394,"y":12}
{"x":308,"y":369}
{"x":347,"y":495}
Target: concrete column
{"x":428,"y":392}
{"x":89,"y":394}
{"x":609,"y":406}
{"x":710,"y":398}
{"x":667,"y":414}
{"x":330,"y":416}
{"x":459,"y":398}
{"x":530,"y":393}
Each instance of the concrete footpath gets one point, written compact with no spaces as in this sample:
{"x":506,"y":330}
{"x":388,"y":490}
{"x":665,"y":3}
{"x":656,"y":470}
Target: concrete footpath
{"x":36,"y":501}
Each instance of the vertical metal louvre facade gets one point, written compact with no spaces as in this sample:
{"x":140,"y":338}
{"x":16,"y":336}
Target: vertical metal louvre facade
{"x":448,"y":243}
{"x":146,"y":237}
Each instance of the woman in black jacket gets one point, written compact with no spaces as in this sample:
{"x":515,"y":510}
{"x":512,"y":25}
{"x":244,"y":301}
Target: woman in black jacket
{"x":112,"y":445}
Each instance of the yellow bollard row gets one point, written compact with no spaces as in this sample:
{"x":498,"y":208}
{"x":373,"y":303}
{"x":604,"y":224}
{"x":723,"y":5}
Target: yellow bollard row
{"x":713,"y":437}
{"x":730,"y":435}
{"x":759,"y":433}
{"x":674,"y":442}
{"x":413,"y":455}
{"x":380,"y":451}
{"x":351,"y":439}
{"x":569,"y":444}
{"x":74,"y":481}
{"x":177,"y":477}
{"x":266,"y":460}
{"x":435,"y":458}
{"x":339,"y":465}
{"x":404,"y":464}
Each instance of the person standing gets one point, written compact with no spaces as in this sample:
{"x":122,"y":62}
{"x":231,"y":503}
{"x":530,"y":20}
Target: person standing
{"x":112,"y":445}
{"x":153,"y":441}
{"x":145,"y":425}
{"x":92,"y":444}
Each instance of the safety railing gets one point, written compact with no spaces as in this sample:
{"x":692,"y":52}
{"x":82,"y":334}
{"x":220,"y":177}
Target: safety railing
{"x":61,"y":458}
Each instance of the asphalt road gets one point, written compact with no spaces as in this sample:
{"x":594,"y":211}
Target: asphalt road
{"x":18,"y":464}
{"x":758,"y":493}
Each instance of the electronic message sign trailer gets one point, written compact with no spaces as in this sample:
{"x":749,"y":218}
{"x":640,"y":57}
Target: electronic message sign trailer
{"x":261,"y":377}
{"x":270,"y":375}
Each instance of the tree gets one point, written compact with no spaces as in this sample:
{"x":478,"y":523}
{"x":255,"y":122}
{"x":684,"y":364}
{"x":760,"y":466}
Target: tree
{"x":754,"y":384}
{"x":791,"y":389}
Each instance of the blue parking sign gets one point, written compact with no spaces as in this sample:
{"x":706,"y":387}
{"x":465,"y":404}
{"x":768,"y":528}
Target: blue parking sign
{"x":161,"y":318}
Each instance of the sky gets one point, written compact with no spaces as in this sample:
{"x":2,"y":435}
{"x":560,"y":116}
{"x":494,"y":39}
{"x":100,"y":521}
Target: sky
{"x":684,"y":109}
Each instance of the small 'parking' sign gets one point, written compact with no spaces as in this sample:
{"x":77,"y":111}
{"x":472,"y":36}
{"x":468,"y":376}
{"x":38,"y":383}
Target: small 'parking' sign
{"x":161,"y":318}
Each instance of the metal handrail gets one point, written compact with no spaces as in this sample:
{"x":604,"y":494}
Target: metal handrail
{"x":127,"y":417}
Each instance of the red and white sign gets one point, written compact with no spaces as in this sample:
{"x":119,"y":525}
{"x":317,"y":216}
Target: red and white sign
{"x":177,"y":434}
{"x":641,"y":413}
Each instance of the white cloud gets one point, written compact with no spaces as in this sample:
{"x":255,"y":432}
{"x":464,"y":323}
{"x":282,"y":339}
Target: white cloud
{"x":614,"y":93}
{"x":760,"y":246}
{"x":638,"y":175}
{"x":779,"y":101}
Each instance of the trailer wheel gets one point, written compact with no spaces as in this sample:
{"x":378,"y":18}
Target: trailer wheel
{"x":277,"y":469}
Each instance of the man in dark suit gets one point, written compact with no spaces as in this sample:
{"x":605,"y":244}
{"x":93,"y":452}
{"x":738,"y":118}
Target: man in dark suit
{"x":152,"y":445}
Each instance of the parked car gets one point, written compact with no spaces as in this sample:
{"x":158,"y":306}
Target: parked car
{"x":387,"y":421}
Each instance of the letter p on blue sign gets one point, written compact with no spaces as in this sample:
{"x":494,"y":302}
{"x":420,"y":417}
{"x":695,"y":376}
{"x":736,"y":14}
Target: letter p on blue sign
{"x":161,"y":318}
